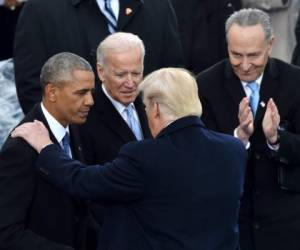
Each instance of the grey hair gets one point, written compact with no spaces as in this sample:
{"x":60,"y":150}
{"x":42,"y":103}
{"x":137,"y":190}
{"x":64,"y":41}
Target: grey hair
{"x":119,"y":42}
{"x":60,"y":67}
{"x":250,"y":17}
{"x":176,"y":91}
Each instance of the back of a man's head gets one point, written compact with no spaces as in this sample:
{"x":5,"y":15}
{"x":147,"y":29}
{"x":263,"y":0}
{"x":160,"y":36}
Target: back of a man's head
{"x":175,"y":90}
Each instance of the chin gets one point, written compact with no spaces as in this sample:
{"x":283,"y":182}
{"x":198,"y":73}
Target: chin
{"x":249,"y":78}
{"x":128,"y":101}
{"x":80,"y":120}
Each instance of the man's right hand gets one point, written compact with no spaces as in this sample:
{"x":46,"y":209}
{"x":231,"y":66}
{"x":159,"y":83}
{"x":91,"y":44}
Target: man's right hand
{"x":246,"y":126}
{"x":35,"y":133}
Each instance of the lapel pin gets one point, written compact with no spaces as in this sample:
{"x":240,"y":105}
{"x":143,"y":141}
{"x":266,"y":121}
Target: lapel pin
{"x":128,"y":11}
{"x":262,"y":104}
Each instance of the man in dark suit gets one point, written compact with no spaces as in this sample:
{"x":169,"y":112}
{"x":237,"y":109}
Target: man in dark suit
{"x":78,"y":26}
{"x":120,"y":68}
{"x":201,"y":27}
{"x":33,"y":213}
{"x":9,"y":13}
{"x":266,"y":119}
{"x":180,"y":190}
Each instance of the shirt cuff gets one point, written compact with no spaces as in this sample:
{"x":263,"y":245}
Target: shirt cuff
{"x":247,"y":144}
{"x":273,"y":147}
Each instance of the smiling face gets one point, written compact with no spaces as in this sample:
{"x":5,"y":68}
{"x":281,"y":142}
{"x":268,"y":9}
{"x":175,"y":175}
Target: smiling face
{"x":122,"y":74}
{"x":248,"y":51}
{"x":70,"y":101}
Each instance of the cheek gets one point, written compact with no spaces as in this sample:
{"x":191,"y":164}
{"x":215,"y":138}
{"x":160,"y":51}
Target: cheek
{"x":261,"y":61}
{"x":117,"y":84}
{"x":235,"y":62}
{"x":138,"y":79}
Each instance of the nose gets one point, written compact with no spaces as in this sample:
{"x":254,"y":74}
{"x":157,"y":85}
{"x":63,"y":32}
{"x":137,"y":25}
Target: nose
{"x":89,"y":100}
{"x":246,"y":64}
{"x":129,"y":81}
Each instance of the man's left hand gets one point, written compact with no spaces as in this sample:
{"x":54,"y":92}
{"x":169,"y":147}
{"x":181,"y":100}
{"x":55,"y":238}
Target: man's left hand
{"x":35,"y":133}
{"x":271,"y":122}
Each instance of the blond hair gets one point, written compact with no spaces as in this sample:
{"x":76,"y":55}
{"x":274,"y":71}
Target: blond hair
{"x":175,"y":90}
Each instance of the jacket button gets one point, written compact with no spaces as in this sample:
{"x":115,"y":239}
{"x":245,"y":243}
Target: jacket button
{"x":256,"y":225}
{"x":257,"y":156}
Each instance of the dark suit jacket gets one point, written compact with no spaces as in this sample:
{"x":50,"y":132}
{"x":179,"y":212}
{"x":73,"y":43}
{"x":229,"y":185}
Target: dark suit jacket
{"x":267,"y":211}
{"x":179,"y":191}
{"x":8,"y":22}
{"x":49,"y":27}
{"x":296,"y":53}
{"x":34,"y":214}
{"x":201,"y":25}
{"x":105,"y":131}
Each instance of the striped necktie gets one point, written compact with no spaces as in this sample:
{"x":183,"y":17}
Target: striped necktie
{"x":110,"y":16}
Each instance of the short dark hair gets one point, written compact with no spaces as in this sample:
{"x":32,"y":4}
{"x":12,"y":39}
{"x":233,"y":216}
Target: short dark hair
{"x":60,"y":67}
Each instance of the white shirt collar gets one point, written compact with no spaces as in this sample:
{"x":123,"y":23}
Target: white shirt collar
{"x":119,"y":106}
{"x":56,"y":128}
{"x":258,"y":81}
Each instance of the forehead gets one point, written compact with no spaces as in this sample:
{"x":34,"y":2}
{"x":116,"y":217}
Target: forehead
{"x":249,"y":37}
{"x":80,"y":79}
{"x":125,"y":59}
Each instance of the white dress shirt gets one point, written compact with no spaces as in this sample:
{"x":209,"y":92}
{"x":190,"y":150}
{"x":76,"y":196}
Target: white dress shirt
{"x":247,"y":90}
{"x":121,"y":108}
{"x":56,"y":128}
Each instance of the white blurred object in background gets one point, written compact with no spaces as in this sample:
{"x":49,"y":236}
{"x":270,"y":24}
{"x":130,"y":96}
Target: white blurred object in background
{"x":10,"y":110}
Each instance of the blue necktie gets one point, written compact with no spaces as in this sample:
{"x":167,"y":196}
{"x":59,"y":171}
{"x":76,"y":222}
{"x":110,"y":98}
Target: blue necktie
{"x":133,"y":123}
{"x":254,"y":97}
{"x":66,"y":144}
{"x":110,"y":16}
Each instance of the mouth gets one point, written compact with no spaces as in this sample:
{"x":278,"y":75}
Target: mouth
{"x":131,"y":93}
{"x":84,"y":114}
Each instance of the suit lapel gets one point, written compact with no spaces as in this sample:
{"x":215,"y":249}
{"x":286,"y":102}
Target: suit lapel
{"x":268,"y":89}
{"x":233,"y":85}
{"x":93,"y":26}
{"x":76,"y":143}
{"x":111,"y":117}
{"x":127,"y":10}
{"x":40,"y":116}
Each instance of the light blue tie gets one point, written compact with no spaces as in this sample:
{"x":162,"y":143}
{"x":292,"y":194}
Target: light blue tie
{"x":110,"y":16}
{"x":133,"y":123}
{"x":254,"y":97}
{"x":66,"y":144}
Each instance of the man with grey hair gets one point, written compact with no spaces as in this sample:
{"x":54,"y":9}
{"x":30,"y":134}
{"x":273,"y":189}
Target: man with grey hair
{"x":118,"y":115}
{"x":48,"y":27}
{"x":257,"y":99}
{"x":180,"y":190}
{"x":33,"y":213}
